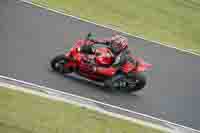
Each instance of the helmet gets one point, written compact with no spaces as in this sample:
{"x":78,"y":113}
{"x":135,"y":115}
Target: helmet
{"x":118,"y":43}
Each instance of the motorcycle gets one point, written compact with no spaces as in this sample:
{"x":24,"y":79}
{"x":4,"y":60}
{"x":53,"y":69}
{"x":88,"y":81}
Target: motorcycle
{"x":129,"y":77}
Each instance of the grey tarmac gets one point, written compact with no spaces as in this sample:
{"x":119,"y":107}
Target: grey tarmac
{"x":31,"y":36}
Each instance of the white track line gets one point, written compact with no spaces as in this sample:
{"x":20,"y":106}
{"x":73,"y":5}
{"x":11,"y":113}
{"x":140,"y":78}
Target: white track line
{"x":114,"y":29}
{"x":102,"y":111}
{"x":95,"y":101}
{"x":81,"y":19}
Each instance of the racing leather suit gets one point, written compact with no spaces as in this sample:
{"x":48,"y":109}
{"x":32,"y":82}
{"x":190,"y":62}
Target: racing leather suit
{"x":121,"y":56}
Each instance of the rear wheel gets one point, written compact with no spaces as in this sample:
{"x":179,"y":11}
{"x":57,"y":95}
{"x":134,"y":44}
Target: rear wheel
{"x":58,"y":64}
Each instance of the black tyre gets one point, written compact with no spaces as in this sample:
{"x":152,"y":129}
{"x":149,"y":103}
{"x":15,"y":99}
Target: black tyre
{"x":136,"y":82}
{"x":57,"y":64}
{"x":127,"y":84}
{"x":114,"y":83}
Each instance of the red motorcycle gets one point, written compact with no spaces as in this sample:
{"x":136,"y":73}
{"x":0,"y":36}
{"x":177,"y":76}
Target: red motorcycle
{"x":129,"y":77}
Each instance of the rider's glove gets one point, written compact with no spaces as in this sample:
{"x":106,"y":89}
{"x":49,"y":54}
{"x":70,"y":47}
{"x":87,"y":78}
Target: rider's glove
{"x":90,"y":36}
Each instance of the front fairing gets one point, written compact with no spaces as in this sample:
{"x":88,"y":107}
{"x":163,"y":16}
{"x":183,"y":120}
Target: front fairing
{"x":143,"y":65}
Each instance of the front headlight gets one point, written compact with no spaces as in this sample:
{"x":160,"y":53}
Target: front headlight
{"x":108,"y":55}
{"x":78,"y":49}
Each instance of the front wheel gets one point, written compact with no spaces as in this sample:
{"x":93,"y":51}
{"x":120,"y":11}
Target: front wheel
{"x":58,"y":64}
{"x":136,"y":82}
{"x":125,"y":83}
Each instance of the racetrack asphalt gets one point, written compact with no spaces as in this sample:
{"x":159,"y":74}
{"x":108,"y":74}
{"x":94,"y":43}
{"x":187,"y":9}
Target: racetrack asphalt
{"x":31,"y":36}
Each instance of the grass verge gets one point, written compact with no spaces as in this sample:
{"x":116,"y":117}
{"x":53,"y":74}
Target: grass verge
{"x":25,"y":113}
{"x":175,"y":22}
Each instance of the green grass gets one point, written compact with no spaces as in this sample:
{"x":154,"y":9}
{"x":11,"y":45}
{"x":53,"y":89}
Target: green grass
{"x":25,"y":113}
{"x":175,"y":22}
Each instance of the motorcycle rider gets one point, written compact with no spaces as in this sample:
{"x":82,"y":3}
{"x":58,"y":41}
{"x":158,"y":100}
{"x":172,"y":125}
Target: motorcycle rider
{"x":118,"y":44}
